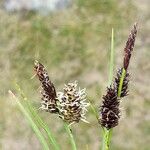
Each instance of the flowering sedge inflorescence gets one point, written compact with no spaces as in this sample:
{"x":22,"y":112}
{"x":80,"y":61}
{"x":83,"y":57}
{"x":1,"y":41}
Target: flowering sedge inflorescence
{"x":109,"y":110}
{"x":70,"y":105}
{"x":48,"y":91}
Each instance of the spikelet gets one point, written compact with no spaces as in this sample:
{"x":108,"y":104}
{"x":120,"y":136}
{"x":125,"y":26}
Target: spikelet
{"x":48,"y":91}
{"x":109,"y":110}
{"x":72,"y":103}
{"x":129,"y":47}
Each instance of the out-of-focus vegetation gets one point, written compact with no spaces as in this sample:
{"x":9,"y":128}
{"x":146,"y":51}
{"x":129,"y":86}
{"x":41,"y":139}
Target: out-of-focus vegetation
{"x":74,"y":44}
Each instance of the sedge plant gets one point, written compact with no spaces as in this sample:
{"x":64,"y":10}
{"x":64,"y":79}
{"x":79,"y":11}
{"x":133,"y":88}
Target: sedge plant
{"x":109,"y":109}
{"x":70,"y":105}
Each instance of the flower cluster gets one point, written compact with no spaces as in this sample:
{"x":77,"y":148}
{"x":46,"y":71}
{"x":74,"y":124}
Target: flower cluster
{"x":48,"y":91}
{"x":109,"y":110}
{"x":70,"y":105}
{"x":129,"y":47}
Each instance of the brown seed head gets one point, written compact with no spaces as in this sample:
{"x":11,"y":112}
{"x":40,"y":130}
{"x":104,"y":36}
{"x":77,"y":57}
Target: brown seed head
{"x":129,"y":47}
{"x":48,"y":90}
{"x":109,"y":110}
{"x":72,"y":103}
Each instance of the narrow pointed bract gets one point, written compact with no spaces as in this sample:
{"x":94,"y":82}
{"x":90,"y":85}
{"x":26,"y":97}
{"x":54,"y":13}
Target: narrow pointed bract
{"x":124,"y":91}
{"x":129,"y":47}
{"x":48,"y":91}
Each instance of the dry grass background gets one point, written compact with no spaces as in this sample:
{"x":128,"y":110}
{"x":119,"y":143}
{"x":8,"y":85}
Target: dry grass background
{"x":74,"y":45}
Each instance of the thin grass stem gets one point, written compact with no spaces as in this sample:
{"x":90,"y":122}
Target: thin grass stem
{"x":107,"y":133}
{"x":72,"y":141}
{"x":38,"y":119}
{"x":106,"y":138}
{"x":31,"y":122}
{"x":121,"y":82}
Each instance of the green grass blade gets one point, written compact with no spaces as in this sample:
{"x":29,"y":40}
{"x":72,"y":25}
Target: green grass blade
{"x":44,"y":126}
{"x":31,"y":122}
{"x":111,"y":64}
{"x":107,"y":133}
{"x":38,"y":119}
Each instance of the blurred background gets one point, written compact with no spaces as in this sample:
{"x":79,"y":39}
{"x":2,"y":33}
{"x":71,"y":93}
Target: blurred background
{"x":72,"y":39}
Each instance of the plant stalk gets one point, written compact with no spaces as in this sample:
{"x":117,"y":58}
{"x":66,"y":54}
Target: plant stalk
{"x":106,"y":138}
{"x":121,"y":83}
{"x":72,"y":141}
{"x":107,"y":133}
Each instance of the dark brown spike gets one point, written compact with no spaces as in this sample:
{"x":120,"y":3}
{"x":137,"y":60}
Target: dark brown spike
{"x":48,"y":90}
{"x":109,"y":110}
{"x":129,"y":47}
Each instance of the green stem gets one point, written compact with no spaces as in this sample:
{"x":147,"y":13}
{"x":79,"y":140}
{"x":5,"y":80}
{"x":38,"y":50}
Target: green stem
{"x":106,"y":138}
{"x":121,"y":82}
{"x":107,"y":133}
{"x":68,"y":129}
